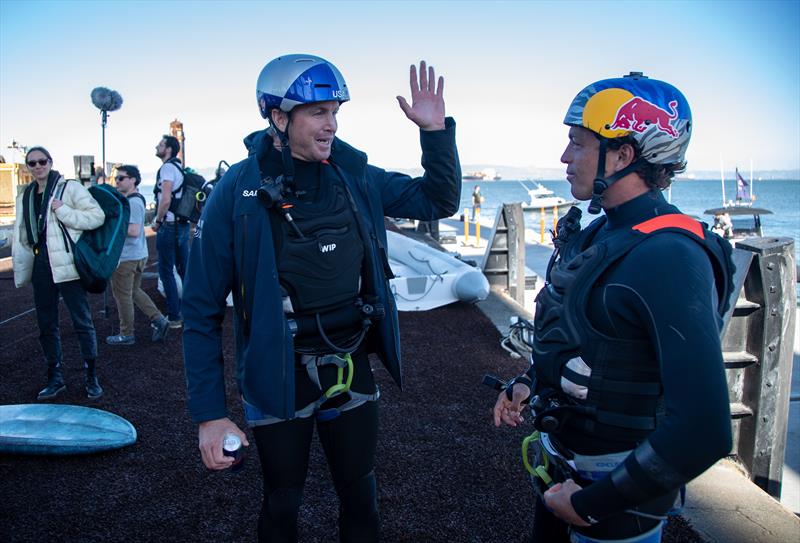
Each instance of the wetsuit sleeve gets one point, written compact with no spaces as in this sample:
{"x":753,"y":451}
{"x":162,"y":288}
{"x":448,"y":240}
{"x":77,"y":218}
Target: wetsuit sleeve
{"x":208,"y":281}
{"x":437,"y":193}
{"x":667,"y":285}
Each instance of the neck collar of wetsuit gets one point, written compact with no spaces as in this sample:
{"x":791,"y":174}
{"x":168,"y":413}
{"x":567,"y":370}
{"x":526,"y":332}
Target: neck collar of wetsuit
{"x":643,"y":207}
{"x":306,"y":174}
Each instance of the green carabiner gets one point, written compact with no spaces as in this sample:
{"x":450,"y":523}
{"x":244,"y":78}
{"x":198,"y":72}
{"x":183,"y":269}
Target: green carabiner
{"x":341,"y":387}
{"x":538,"y":471}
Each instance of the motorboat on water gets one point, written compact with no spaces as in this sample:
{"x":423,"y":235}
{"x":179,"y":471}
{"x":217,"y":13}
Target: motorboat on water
{"x":488,"y":174}
{"x":542,"y":197}
{"x":737,"y":221}
{"x":426,"y":278}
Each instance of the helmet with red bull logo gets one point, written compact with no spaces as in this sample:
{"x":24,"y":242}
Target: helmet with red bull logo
{"x":654,"y":113}
{"x":292,"y":80}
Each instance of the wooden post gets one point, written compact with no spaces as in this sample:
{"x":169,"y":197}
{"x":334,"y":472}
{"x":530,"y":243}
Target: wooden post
{"x":466,"y":227}
{"x":757,"y":349}
{"x":541,"y":227}
{"x":477,"y":227}
{"x":555,"y":218}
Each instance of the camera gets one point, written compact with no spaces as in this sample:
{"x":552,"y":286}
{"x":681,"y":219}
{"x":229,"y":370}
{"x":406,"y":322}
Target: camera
{"x":271,"y":191}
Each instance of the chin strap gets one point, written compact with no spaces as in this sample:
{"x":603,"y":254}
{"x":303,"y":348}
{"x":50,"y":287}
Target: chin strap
{"x":286,"y":152}
{"x":601,"y":182}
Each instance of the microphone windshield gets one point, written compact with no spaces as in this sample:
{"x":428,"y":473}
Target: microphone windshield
{"x":105,"y":99}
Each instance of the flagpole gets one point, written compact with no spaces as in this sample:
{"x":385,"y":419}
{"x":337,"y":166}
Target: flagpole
{"x":752,"y":192}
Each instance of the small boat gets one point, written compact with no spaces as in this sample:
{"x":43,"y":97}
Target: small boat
{"x":542,"y":197}
{"x":737,"y":222}
{"x":488,"y":174}
{"x":738,"y":219}
{"x":426,"y":278}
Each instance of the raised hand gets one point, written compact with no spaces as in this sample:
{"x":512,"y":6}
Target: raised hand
{"x":427,"y":98}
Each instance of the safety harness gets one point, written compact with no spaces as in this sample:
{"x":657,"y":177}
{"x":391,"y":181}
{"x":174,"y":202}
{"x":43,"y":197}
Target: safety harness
{"x":599,"y":387}
{"x":319,"y":254}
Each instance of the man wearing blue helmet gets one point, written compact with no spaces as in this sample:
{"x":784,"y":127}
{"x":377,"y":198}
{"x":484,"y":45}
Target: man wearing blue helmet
{"x":627,"y":384}
{"x":296,"y":232}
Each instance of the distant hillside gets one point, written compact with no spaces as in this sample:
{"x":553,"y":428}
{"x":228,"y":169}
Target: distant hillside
{"x":557,"y":174}
{"x":532,"y":172}
{"x":731,"y":174}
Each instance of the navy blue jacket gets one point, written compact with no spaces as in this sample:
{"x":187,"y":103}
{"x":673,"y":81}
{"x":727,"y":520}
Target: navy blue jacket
{"x":233,"y":251}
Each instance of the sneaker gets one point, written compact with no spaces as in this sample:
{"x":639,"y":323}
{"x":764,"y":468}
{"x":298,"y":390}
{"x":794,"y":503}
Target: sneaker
{"x":160,"y":328}
{"x":119,"y":339}
{"x":176,"y":323}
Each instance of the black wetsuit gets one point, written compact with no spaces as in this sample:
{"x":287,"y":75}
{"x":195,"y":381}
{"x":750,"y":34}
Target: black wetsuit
{"x":663,"y":292}
{"x":349,"y":439}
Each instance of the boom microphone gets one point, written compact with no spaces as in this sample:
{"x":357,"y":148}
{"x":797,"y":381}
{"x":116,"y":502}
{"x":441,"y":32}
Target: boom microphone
{"x":106,"y":99}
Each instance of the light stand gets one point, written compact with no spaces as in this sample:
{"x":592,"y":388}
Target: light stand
{"x":105,"y":100}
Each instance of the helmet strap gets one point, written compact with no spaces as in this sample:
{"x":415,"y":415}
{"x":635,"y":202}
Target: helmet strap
{"x":601,"y":182}
{"x":286,"y":152}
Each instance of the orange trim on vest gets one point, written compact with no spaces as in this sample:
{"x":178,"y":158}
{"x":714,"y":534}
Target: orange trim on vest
{"x":325,"y":161}
{"x":675,"y":220}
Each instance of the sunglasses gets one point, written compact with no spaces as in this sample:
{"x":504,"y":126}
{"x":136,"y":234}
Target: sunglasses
{"x":123,"y":177}
{"x":41,"y":162}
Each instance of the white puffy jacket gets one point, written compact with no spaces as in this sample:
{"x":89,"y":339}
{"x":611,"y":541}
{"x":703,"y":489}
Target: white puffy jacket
{"x":79,"y":212}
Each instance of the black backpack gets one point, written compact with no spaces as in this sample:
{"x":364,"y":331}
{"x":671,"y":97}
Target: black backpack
{"x":96,"y":253}
{"x":189,"y":205}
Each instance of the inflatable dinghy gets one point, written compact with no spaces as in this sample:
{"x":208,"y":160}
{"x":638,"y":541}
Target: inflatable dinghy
{"x":426,"y":277}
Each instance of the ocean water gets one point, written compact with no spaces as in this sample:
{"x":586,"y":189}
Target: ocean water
{"x":782,"y":197}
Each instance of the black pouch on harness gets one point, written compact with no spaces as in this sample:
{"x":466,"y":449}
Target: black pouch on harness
{"x":320,"y":253}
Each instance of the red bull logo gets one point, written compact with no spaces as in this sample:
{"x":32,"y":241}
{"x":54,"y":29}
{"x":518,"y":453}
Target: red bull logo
{"x":638,"y":114}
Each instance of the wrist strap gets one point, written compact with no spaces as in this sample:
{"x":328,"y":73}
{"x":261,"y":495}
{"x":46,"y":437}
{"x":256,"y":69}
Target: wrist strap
{"x":519,"y":379}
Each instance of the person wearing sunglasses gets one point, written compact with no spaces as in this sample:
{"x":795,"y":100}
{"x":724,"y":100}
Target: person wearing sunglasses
{"x":127,"y":279}
{"x":42,"y":258}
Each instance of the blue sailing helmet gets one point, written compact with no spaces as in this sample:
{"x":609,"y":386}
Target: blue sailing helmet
{"x":291,"y":80}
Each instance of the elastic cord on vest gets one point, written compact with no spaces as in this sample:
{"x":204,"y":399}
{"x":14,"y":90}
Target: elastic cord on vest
{"x":601,"y":182}
{"x":351,"y":348}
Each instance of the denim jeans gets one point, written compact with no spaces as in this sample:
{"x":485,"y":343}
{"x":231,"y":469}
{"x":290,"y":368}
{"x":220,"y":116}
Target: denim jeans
{"x":45,"y":298}
{"x":172,"y":243}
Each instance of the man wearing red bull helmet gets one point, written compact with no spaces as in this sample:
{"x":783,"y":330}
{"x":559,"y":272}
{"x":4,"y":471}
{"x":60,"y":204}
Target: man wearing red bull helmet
{"x":626,"y":384}
{"x":296,"y":232}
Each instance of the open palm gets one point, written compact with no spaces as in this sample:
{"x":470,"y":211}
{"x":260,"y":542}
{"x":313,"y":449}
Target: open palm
{"x":427,"y":99}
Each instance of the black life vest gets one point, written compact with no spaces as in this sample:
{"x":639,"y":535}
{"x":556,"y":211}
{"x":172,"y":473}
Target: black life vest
{"x":321,"y":271}
{"x":623,"y":391}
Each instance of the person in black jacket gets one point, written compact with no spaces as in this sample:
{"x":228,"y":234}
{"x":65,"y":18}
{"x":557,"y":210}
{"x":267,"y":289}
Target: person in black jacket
{"x":296,"y":232}
{"x":629,"y":392}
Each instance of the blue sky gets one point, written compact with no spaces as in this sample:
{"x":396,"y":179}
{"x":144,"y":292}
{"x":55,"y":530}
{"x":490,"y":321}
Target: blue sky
{"x":510,"y":68}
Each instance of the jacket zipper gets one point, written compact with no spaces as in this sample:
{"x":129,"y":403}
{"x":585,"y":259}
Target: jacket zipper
{"x":241,"y":273}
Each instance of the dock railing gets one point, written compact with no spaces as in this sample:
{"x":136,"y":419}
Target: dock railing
{"x":757,"y":345}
